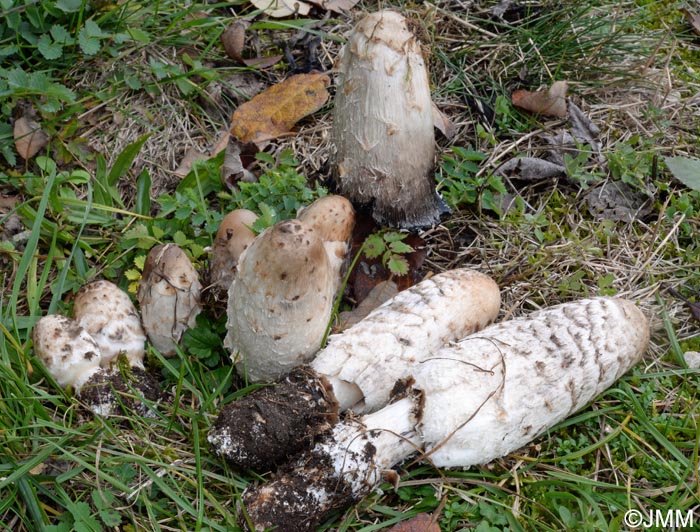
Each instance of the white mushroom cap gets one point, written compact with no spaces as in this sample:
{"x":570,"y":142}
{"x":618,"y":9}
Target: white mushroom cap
{"x":169,"y":296}
{"x":280,"y":301}
{"x":496,"y":390}
{"x":333,"y":218}
{"x":232,"y":238}
{"x":68,"y":352}
{"x":108,"y":315}
{"x":383,"y":123}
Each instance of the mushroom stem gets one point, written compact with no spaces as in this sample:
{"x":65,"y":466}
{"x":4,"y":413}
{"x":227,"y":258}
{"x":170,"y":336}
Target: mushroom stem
{"x":358,"y":369}
{"x":340,"y":470}
{"x":480,"y":399}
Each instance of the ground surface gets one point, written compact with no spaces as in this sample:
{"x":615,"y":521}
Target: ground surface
{"x":159,"y":70}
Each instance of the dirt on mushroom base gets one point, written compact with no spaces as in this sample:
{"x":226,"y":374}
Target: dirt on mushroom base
{"x":289,"y":416}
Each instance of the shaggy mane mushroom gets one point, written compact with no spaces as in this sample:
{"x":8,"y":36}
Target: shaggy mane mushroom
{"x":358,"y":369}
{"x":474,"y":401}
{"x":383,"y":124}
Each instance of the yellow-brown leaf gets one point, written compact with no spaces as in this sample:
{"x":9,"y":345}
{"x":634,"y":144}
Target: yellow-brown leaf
{"x":274,"y":111}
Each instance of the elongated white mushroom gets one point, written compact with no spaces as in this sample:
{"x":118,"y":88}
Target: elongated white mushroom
{"x":383,"y":123}
{"x":233,"y":237}
{"x":73,"y":358}
{"x":357,"y":370}
{"x":333,"y":218}
{"x":280,"y":301}
{"x":108,"y":315}
{"x":169,"y":296}
{"x":480,"y":399}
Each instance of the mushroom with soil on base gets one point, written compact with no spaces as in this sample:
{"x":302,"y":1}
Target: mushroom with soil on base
{"x":480,"y":399}
{"x":279,"y":302}
{"x":169,"y":297}
{"x":383,"y":124}
{"x":73,"y":358}
{"x":232,"y":239}
{"x":358,"y":369}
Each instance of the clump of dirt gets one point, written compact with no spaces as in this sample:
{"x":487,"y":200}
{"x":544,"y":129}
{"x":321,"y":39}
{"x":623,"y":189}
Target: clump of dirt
{"x":266,"y":427}
{"x":109,"y":392}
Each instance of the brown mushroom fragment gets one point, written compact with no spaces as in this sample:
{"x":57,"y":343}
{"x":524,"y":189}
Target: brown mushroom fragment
{"x":383,"y":124}
{"x":232,"y":238}
{"x":107,"y":314}
{"x":73,"y":358}
{"x":280,"y":301}
{"x":169,"y":296}
{"x":333,"y":218}
{"x":358,"y":369}
{"x":474,"y":401}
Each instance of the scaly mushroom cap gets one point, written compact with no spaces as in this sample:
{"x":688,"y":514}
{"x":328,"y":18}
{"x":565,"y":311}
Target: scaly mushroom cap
{"x":169,"y":296}
{"x":333,"y":218}
{"x":495,"y":391}
{"x":108,"y":315}
{"x":232,"y":238}
{"x":383,"y":124}
{"x":67,"y":351}
{"x":279,"y":302}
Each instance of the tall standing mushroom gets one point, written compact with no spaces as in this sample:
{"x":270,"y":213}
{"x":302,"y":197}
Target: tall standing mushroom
{"x":472,"y":402}
{"x":169,"y":296}
{"x":232,"y":239}
{"x":358,"y":369}
{"x":383,"y":124}
{"x":280,"y":301}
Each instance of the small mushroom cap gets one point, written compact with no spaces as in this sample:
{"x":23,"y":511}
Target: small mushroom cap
{"x":333,"y":218}
{"x":68,"y":352}
{"x":108,"y":315}
{"x":232,"y":238}
{"x":169,"y":296}
{"x":280,"y":301}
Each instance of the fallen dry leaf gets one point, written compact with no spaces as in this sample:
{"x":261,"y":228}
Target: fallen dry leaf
{"x":337,"y":6}
{"x":29,"y":138}
{"x":694,"y":19}
{"x":233,"y":40}
{"x":619,"y":202}
{"x":444,"y":124}
{"x":420,"y":523}
{"x":234,"y":168}
{"x":379,"y":294}
{"x":551,"y":102}
{"x":282,"y":8}
{"x":274,"y":111}
{"x":530,"y":169}
{"x":191,"y":155}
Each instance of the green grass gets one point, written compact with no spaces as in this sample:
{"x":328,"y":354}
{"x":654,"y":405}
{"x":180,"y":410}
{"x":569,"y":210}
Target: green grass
{"x":97,"y":199}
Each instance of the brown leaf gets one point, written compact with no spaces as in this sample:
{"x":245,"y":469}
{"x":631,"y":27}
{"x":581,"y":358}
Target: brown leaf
{"x":530,"y":169}
{"x":380,"y":293}
{"x":551,"y":102}
{"x":694,"y":19}
{"x":29,"y":138}
{"x":191,"y":155}
{"x":444,"y":124}
{"x":233,"y":40}
{"x":273,"y":112}
{"x":282,"y":8}
{"x":234,"y":168}
{"x":337,"y":6}
{"x":420,"y":523}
